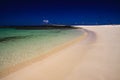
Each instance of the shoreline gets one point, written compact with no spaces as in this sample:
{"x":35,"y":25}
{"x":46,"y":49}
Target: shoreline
{"x":94,"y":58}
{"x":19,"y":66}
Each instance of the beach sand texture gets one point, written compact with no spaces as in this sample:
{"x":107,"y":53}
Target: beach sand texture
{"x":97,"y":57}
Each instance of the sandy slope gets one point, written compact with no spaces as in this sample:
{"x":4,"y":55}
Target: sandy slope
{"x":95,"y":58}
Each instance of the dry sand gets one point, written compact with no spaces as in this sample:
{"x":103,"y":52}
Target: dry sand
{"x":95,"y":58}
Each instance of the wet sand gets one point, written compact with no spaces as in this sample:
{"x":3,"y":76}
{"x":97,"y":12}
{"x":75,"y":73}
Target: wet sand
{"x":97,"y":57}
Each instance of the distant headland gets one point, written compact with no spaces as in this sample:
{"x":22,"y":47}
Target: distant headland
{"x":32,"y":27}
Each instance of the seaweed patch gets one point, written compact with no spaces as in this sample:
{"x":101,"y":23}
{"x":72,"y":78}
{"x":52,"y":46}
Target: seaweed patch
{"x":6,"y":39}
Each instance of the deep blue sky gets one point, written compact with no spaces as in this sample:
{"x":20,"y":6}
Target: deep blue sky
{"x":33,"y":12}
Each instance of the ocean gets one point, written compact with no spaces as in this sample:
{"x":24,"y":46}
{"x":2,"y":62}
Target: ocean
{"x":17,"y":46}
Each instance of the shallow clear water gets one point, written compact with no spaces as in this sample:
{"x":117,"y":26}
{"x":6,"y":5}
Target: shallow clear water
{"x":17,"y":46}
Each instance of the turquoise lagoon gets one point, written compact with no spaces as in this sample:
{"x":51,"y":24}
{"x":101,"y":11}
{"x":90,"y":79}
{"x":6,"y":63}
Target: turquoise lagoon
{"x":17,"y":46}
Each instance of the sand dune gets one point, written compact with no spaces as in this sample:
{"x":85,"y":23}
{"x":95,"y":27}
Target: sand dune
{"x":97,"y":57}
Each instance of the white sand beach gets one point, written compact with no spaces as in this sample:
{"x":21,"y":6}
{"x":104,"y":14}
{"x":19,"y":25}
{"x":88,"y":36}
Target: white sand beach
{"x":97,"y":57}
